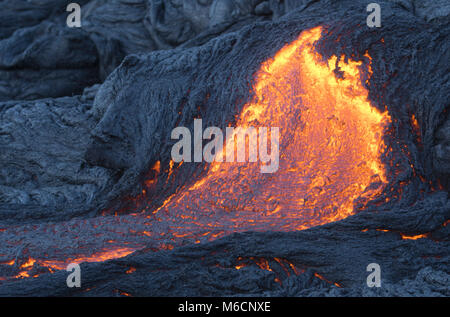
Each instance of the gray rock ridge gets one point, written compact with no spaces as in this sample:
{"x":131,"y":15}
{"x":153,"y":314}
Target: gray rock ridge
{"x":27,"y":13}
{"x":43,"y":143}
{"x":41,"y":46}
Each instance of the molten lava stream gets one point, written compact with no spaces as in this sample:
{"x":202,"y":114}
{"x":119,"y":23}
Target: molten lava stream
{"x":331,"y":143}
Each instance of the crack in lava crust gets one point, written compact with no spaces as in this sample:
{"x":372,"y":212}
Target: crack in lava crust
{"x":331,"y":144}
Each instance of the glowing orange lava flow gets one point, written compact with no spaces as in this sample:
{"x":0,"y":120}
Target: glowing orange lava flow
{"x":96,"y":257}
{"x":331,"y":143}
{"x":62,"y":265}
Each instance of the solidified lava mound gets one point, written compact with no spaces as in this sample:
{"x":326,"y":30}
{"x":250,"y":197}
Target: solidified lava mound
{"x":364,"y":150}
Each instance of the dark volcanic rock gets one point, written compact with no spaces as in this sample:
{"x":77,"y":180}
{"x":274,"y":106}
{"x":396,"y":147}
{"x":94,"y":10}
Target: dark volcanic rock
{"x":42,"y":147}
{"x":340,"y":252}
{"x":19,"y":14}
{"x":41,"y":61}
{"x":441,"y":153}
{"x":38,"y":50}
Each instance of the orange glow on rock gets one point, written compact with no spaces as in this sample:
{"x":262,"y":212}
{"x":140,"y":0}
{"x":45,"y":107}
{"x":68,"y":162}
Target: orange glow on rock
{"x":10,"y":263}
{"x":414,"y":122}
{"x":415,"y":237}
{"x":324,"y":279}
{"x":28,"y":264}
{"x":240,"y":266}
{"x":331,"y":144}
{"x":22,"y":274}
{"x":157,"y":167}
{"x":416,"y":128}
{"x":96,"y":257}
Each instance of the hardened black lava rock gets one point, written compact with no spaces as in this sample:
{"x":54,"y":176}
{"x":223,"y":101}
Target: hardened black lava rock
{"x":41,"y":56}
{"x":69,"y":158}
